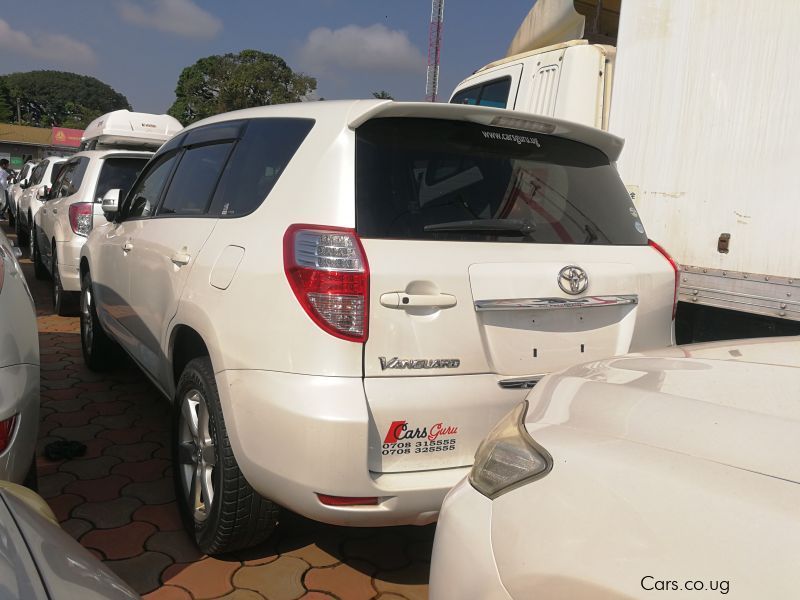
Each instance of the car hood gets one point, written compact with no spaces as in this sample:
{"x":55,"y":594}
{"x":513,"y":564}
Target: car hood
{"x":734,"y":403}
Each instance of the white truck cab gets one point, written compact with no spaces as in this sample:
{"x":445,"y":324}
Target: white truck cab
{"x":571,"y":80}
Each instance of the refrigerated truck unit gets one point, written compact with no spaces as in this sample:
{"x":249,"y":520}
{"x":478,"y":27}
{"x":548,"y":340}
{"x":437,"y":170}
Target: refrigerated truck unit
{"x":705,"y":94}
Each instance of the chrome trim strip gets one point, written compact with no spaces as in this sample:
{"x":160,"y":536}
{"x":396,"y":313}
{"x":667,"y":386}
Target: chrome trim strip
{"x":556,"y":303}
{"x":520,"y":383}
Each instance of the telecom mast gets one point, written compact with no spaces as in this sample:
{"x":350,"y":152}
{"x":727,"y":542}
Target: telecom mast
{"x":434,"y":46}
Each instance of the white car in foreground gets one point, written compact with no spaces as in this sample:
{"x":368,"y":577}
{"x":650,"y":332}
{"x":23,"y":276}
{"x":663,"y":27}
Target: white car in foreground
{"x":342,"y":297}
{"x":673,"y":471}
{"x":19,"y":371}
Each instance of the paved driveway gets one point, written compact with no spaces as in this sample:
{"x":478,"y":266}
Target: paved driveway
{"x":118,"y":499}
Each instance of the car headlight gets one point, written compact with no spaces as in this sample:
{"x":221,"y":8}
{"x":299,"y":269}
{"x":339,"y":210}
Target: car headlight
{"x":508,"y":457}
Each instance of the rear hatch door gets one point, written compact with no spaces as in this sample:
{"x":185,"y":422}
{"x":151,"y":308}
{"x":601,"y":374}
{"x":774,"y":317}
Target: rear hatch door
{"x":496,"y":256}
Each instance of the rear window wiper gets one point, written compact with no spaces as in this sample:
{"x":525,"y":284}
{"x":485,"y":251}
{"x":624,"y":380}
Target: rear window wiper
{"x":507,"y":226}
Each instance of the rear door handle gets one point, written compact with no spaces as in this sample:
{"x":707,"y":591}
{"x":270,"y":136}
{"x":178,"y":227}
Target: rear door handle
{"x":127,"y":247}
{"x":403,"y":300}
{"x":180,"y":258}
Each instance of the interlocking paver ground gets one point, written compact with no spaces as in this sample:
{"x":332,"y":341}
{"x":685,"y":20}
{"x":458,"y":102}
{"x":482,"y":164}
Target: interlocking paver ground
{"x":118,"y":499}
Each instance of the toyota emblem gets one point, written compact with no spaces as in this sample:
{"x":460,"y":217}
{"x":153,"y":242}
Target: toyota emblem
{"x":573,"y":280}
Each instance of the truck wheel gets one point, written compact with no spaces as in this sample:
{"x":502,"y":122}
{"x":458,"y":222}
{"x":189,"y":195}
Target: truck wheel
{"x":219,"y":506}
{"x":99,"y":350}
{"x":39,"y":270}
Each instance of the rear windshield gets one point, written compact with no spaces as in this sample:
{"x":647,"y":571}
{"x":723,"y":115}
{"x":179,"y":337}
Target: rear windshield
{"x":118,"y":174}
{"x":432,"y":179}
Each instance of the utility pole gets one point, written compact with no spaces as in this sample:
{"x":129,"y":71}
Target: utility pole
{"x":434,"y":47}
{"x":19,"y":114}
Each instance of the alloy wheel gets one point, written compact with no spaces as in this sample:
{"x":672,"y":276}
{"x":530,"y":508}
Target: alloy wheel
{"x":196,"y":454}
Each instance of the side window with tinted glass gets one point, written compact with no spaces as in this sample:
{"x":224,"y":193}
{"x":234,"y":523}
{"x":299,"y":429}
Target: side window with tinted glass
{"x":143,"y":198}
{"x":70,"y":178}
{"x":38,"y":173}
{"x":492,"y":93}
{"x":58,"y":176}
{"x":195,"y":180}
{"x":257,"y":162}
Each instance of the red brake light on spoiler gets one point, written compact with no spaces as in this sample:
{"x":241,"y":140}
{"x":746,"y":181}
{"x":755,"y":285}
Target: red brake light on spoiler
{"x":675,"y":268}
{"x":328,"y":272}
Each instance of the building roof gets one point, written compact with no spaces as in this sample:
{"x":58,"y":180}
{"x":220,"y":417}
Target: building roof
{"x":20,"y":134}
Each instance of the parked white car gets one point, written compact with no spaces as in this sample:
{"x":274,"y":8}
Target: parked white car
{"x":30,"y":200}
{"x":341,"y":297}
{"x":41,"y":560}
{"x":19,"y":371}
{"x":15,"y":190}
{"x":668,"y":471}
{"x":74,"y":203}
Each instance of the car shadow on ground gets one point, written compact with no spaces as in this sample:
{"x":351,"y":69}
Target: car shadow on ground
{"x":118,"y":499}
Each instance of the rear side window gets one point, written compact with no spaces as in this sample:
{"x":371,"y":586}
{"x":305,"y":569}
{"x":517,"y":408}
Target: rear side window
{"x":118,"y":174}
{"x":450,"y":180}
{"x":492,"y":93}
{"x":69,"y":178}
{"x":256,"y":164}
{"x":195,"y":180}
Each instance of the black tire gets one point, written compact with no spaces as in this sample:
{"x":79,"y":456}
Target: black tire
{"x":238,"y":517}
{"x":31,"y":480}
{"x":39,"y":270}
{"x":22,"y":233}
{"x":63,"y":302}
{"x":99,"y":351}
{"x":11,"y":220}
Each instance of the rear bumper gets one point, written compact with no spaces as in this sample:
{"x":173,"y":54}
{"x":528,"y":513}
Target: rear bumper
{"x":69,"y":259}
{"x":19,"y":395}
{"x":295,"y":436}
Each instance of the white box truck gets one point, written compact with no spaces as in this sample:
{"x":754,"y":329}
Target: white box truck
{"x":705,"y":93}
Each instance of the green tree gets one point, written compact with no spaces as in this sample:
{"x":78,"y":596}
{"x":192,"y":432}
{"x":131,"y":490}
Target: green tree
{"x":6,"y":112}
{"x":382,"y":95}
{"x":59,"y":98}
{"x":221,"y":83}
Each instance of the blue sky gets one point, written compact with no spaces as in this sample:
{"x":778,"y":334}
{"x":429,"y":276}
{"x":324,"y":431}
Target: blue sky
{"x":139,"y":47}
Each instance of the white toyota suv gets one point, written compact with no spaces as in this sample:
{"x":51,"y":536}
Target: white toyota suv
{"x":118,"y":145}
{"x":341,"y":298}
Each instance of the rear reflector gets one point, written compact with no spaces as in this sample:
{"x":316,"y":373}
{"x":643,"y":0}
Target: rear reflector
{"x":328,"y":272}
{"x":674,"y":266}
{"x":6,"y":432}
{"x":80,"y":217}
{"x":347,"y":500}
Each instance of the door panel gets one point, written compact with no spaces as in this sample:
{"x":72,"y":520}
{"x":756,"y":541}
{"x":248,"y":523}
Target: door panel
{"x":163,"y":251}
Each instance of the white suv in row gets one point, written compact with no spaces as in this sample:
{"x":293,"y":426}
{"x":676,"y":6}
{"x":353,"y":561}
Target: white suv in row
{"x":117,"y":146}
{"x":342,"y":298}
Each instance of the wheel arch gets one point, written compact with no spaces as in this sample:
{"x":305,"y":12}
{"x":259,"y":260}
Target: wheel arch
{"x":186,"y":344}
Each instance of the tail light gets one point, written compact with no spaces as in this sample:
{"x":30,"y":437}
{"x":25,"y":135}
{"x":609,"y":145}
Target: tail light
{"x":80,"y":217}
{"x":674,"y":266}
{"x":6,"y":432}
{"x":328,"y":272}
